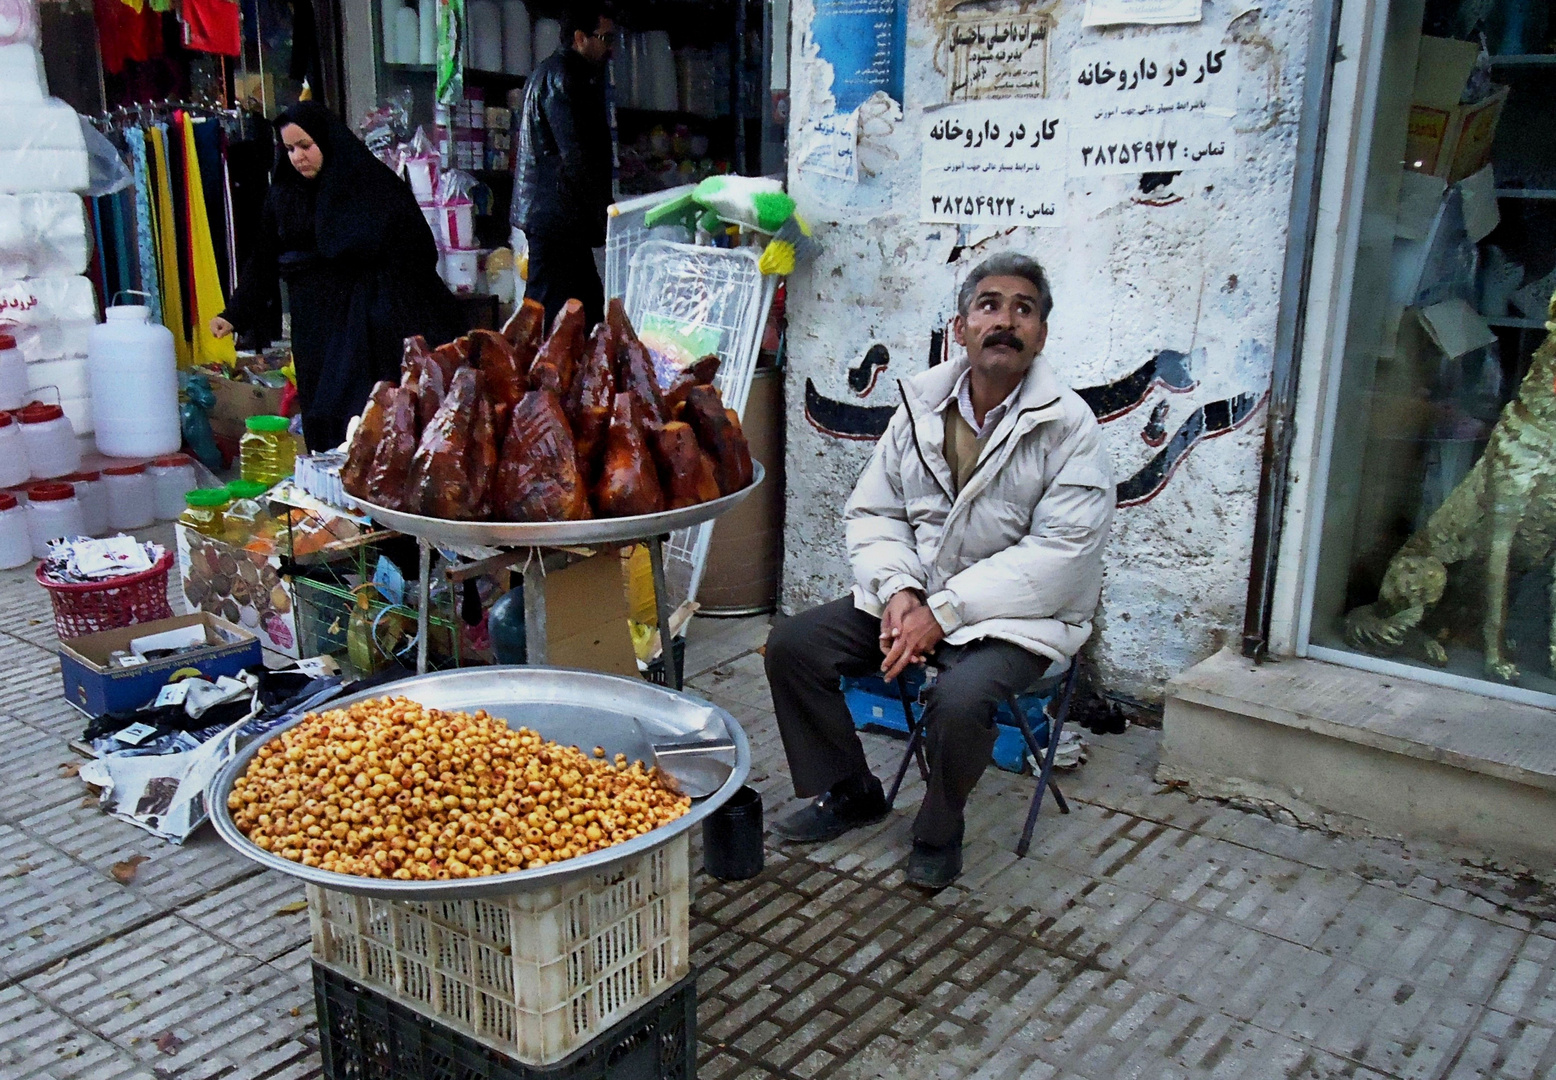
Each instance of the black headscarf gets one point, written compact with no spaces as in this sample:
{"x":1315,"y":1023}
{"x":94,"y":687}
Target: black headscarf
{"x":353,"y":195}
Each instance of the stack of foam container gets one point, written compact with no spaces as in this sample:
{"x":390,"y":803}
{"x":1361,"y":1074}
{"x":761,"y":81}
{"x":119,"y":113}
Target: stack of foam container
{"x":44,"y":247}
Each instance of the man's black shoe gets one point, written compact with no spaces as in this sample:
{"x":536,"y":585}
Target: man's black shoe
{"x":931,"y":867}
{"x":835,"y":813}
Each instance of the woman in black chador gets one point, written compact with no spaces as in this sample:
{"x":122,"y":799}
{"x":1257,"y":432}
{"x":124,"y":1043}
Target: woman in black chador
{"x":360,"y":266}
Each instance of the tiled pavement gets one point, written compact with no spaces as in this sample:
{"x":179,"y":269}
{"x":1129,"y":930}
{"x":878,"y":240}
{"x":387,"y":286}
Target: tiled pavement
{"x":1147,"y":935}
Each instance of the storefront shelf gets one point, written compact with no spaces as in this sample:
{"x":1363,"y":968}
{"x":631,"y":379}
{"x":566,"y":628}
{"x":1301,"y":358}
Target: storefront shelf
{"x":1523,"y":60}
{"x":1526,"y":193}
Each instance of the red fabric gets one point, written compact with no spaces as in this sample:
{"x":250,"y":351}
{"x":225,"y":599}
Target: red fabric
{"x":213,"y":26}
{"x":124,"y":34}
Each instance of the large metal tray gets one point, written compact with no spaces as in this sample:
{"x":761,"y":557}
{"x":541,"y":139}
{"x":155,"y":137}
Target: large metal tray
{"x":571,"y":707}
{"x":557,"y":533}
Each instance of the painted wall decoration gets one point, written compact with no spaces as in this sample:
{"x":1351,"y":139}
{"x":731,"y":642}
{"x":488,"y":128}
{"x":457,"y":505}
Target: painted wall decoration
{"x":1168,"y":370}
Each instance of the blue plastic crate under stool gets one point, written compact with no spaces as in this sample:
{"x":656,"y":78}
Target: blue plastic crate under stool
{"x":874,"y":703}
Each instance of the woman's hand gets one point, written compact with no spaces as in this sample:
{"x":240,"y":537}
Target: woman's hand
{"x":220,"y":327}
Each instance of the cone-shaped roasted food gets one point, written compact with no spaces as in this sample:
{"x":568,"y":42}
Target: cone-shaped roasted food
{"x":386,"y":482}
{"x":537,"y":478}
{"x":564,"y":349}
{"x":439,"y":481}
{"x":499,"y":365}
{"x":366,"y":440}
{"x":699,"y":374}
{"x":685,"y":469}
{"x":589,"y":407}
{"x":629,"y":479}
{"x":719,"y":433}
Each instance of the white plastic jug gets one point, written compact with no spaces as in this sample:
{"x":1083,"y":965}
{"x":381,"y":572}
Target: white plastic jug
{"x":134,"y":379}
{"x":517,"y":37}
{"x":15,"y":543}
{"x":14,"y":467}
{"x":13,"y":374}
{"x":53,"y":513}
{"x":50,"y":440}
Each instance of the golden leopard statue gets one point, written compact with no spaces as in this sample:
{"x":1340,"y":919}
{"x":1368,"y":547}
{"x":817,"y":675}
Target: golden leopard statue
{"x":1501,"y":517}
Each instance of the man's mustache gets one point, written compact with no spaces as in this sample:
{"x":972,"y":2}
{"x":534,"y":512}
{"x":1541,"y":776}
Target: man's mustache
{"x":1003,"y":337}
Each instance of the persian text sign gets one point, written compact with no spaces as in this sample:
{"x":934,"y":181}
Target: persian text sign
{"x":999,"y":57}
{"x":994,"y":162}
{"x":1145,"y":105}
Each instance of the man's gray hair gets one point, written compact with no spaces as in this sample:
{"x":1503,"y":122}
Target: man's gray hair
{"x":1006,"y":264}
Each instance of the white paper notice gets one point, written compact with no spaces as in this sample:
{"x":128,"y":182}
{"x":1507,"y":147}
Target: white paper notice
{"x":830,"y":146}
{"x":998,"y":57}
{"x":997,"y":162}
{"x":1153,"y":106}
{"x":1140,"y":12}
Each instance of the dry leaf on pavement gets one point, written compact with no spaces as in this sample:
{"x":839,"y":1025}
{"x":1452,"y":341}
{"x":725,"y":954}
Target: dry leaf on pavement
{"x":124,"y":872}
{"x":168,"y":1043}
{"x":293,"y":908}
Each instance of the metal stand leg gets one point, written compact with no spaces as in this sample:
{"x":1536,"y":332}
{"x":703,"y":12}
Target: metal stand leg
{"x":915,"y":748}
{"x":656,"y":561}
{"x":424,"y":608}
{"x":535,"y":609}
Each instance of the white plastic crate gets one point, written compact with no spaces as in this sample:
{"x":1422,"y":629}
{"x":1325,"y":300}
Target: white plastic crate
{"x":534,"y":975}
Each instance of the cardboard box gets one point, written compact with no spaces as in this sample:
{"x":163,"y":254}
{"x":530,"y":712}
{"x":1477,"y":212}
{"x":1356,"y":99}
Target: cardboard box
{"x":586,"y":617}
{"x":1447,"y":139}
{"x":95,"y":688}
{"x":241,"y":586}
{"x":236,"y":401}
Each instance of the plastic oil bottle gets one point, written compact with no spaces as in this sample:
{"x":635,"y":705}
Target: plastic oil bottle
{"x":267,"y":451}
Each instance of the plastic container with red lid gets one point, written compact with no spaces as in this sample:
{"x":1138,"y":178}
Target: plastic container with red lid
{"x":15,"y":544}
{"x":52,"y":449}
{"x":132,"y":500}
{"x":14,"y":468}
{"x":13,"y":374}
{"x":53,"y":512}
{"x":171,"y":476}
{"x":93,"y":495}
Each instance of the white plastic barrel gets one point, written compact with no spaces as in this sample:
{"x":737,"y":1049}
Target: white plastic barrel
{"x":53,"y":512}
{"x":132,"y":502}
{"x":51,"y":444}
{"x":171,"y":476}
{"x":13,"y":374}
{"x":15,"y":544}
{"x":134,"y":380}
{"x":92,"y":494}
{"x":14,"y":468}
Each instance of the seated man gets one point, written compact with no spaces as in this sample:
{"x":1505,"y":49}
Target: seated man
{"x":976,"y":535}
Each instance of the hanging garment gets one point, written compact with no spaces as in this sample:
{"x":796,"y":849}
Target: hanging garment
{"x":145,"y":226}
{"x":250,"y":161}
{"x":125,"y":33}
{"x":205,"y":281}
{"x":208,"y":156}
{"x":183,"y":254}
{"x":167,"y":246}
{"x":212,"y":26}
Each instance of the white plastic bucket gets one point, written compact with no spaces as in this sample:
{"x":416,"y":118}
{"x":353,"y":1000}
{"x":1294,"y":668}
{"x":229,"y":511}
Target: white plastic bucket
{"x":171,"y":476}
{"x":132,"y":502}
{"x":92,"y":494}
{"x":14,"y":468}
{"x":51,"y":444}
{"x":134,"y":380}
{"x":53,"y":512}
{"x":13,"y":374}
{"x":15,"y":543}
{"x":462,"y":269}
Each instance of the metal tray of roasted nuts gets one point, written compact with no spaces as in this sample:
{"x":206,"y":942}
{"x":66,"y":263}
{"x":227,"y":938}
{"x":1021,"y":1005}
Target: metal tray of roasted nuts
{"x":582,"y":708}
{"x":557,"y":533}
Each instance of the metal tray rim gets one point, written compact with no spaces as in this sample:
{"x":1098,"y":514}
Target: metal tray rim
{"x":557,"y":533}
{"x":221,"y":784}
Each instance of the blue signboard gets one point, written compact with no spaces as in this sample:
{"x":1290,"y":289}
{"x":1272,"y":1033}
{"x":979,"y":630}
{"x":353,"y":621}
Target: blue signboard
{"x":863,"y":41}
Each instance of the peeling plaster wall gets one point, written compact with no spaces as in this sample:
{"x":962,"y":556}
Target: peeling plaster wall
{"x":1199,"y":275}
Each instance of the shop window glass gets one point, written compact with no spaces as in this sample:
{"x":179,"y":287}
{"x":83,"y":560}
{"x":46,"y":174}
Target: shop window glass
{"x":1444,"y":451}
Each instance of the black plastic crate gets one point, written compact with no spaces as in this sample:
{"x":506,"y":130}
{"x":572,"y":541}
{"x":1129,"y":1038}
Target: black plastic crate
{"x":656,"y":672}
{"x":364,"y":1035}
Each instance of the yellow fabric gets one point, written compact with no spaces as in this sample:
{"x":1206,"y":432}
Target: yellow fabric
{"x":135,"y":5}
{"x":167,"y":249}
{"x":963,"y":448}
{"x":207,"y":289}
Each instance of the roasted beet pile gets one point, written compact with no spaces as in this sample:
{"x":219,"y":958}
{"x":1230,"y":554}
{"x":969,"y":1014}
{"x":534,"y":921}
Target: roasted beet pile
{"x":510,"y":427}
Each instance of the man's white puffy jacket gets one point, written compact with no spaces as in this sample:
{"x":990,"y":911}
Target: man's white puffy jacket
{"x":1017,"y":554}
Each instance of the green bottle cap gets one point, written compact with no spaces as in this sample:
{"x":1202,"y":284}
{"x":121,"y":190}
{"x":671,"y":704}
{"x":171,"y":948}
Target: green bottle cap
{"x":207,"y":497}
{"x":267,"y":424}
{"x":247,"y":489}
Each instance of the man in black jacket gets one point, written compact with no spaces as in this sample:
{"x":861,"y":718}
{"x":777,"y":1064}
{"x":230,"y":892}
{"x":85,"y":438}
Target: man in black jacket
{"x":562,"y":169}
